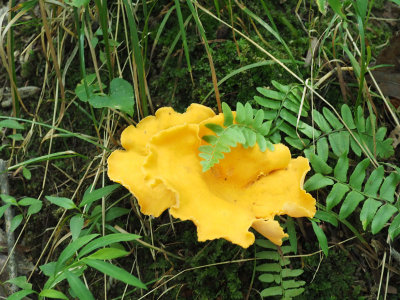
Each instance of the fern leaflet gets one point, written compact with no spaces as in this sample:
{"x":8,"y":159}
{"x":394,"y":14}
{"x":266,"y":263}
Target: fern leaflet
{"x":246,"y":129}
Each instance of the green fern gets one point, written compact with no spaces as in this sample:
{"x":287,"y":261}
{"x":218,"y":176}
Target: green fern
{"x":281,"y":279}
{"x":246,"y":129}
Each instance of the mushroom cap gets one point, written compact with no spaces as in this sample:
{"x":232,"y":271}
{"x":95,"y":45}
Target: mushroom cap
{"x":247,"y":188}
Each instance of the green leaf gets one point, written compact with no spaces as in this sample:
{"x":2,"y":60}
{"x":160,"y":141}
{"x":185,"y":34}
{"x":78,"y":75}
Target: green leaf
{"x":339,"y":142}
{"x":323,"y":148}
{"x":347,"y":116}
{"x":316,"y":182}
{"x":258,"y":119}
{"x":116,"y":212}
{"x":360,"y":120}
{"x":115,"y":272}
{"x":8,"y":199}
{"x":249,"y":114}
{"x":261,"y":141}
{"x":121,"y":97}
{"x":331,"y":118}
{"x":383,"y":215}
{"x":91,"y":196}
{"x":350,"y":203}
{"x":4,"y":208}
{"x":287,"y":284}
{"x":53,"y":294}
{"x":266,"y":278}
{"x":108,"y":253}
{"x":266,"y":244}
{"x":341,"y":168}
{"x":269,"y":267}
{"x":322,"y":240}
{"x":321,"y":6}
{"x":16,"y":137}
{"x":228,"y":116}
{"x":10,"y":124}
{"x":357,"y":178}
{"x":240,"y":113}
{"x":70,"y":250}
{"x":218,"y":129}
{"x":78,"y":287}
{"x":35,"y":208}
{"x":76,"y":225}
{"x":321,"y":122}
{"x":374,"y":182}
{"x":62,"y":202}
{"x":336,"y":195}
{"x":271,"y":255}
{"x":319,"y":165}
{"x":291,"y":272}
{"x":106,"y":241}
{"x":20,"y":294}
{"x":326,"y":217}
{"x":368,"y":211}
{"x":15,"y":222}
{"x":294,"y":292}
{"x":394,"y":228}
{"x":389,"y":187}
{"x":26,"y":173}
{"x":272,"y":291}
{"x":20,"y":282}
{"x":291,"y":230}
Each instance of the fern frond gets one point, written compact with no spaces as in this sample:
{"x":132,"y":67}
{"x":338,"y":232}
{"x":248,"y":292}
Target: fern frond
{"x":280,"y":280}
{"x":246,"y":129}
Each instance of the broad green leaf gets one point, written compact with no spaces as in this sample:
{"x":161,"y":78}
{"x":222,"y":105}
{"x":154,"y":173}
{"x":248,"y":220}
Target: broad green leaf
{"x":258,"y":119}
{"x":115,"y":272}
{"x":374,"y":182}
{"x":394,"y":228}
{"x":91,"y":196}
{"x":78,"y":287}
{"x":76,"y":225}
{"x":261,"y":141}
{"x":326,"y":217}
{"x":322,"y":240}
{"x":291,"y":230}
{"x":211,"y":139}
{"x":108,"y":253}
{"x":383,"y":215}
{"x":389,"y":187}
{"x":354,"y":145}
{"x":12,"y":124}
{"x":349,"y":204}
{"x":53,"y":294}
{"x":368,"y":211}
{"x":348,"y":116}
{"x":121,"y":97}
{"x":341,"y":168}
{"x":296,"y":142}
{"x":357,"y":178}
{"x":323,"y":148}
{"x":49,"y":268}
{"x":249,"y":114}
{"x":316,"y":182}
{"x":107,"y":240}
{"x":331,"y":118}
{"x":62,"y":202}
{"x":228,"y":116}
{"x":268,"y":103}
{"x":35,"y":208}
{"x":28,"y":201}
{"x":70,"y":250}
{"x":15,"y":222}
{"x":321,"y":6}
{"x":116,"y":212}
{"x":336,"y":195}
{"x":265,"y":128}
{"x":339,"y":142}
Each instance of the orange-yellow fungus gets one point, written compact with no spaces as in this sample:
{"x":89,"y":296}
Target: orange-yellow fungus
{"x":248,"y":188}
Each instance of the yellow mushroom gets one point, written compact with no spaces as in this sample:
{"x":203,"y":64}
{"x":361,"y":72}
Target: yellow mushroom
{"x":248,"y":188}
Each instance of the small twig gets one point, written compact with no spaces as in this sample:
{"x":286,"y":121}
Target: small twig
{"x":8,"y":216}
